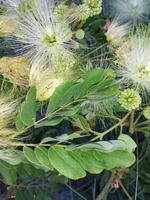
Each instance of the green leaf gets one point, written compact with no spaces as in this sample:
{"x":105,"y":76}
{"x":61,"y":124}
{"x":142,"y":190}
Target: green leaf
{"x":60,"y":96}
{"x":66,"y":137}
{"x":129,"y":142}
{"x":42,"y":156}
{"x":30,"y":155}
{"x":82,"y":123}
{"x":65,"y":164}
{"x":48,"y":139}
{"x":104,"y":146}
{"x":19,"y":124}
{"x":8,"y":173}
{"x":26,"y":170}
{"x":90,"y":79}
{"x":115,"y":159}
{"x":95,"y":84}
{"x":62,"y":138}
{"x":70,"y":111}
{"x":87,"y":162}
{"x":50,"y":122}
{"x":28,"y":108}
{"x":13,"y":157}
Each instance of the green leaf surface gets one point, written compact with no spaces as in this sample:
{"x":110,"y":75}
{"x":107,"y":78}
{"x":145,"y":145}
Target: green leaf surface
{"x":28,"y":108}
{"x":105,"y":146}
{"x":87,"y":162}
{"x":82,"y":123}
{"x":50,"y":122}
{"x":115,"y":159}
{"x":60,"y":96}
{"x":30,"y":155}
{"x":129,"y":142}
{"x":8,"y":173}
{"x":42,"y":156}
{"x":65,"y":164}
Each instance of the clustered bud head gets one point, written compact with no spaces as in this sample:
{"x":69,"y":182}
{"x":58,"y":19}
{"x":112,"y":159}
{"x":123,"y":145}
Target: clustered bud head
{"x":146,"y":112}
{"x":79,"y":34}
{"x":80,"y":12}
{"x":61,"y":11}
{"x":95,"y":6}
{"x":129,"y":99}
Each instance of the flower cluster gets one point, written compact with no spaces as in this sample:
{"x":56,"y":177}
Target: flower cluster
{"x":94,"y":5}
{"x":129,"y":99}
{"x":135,"y":60}
{"x":116,"y":32}
{"x":131,"y":10}
{"x":146,"y":112}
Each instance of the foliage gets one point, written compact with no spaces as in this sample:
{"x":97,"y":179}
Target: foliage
{"x":74,"y":97}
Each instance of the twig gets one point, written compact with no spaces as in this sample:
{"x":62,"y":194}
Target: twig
{"x":74,"y":191}
{"x":101,"y":135}
{"x":11,"y":192}
{"x":106,"y":187}
{"x":125,"y":191}
{"x":131,"y":128}
{"x":137,"y":169}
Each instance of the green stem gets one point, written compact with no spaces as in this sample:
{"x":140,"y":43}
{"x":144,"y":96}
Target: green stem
{"x":77,"y":193}
{"x":131,"y":128}
{"x":101,"y":135}
{"x":125,"y":191}
{"x":15,"y":144}
{"x":106,"y":187}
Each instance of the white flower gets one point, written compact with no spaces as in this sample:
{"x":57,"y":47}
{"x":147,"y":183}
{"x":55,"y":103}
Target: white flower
{"x":136,"y":63}
{"x":132,"y":9}
{"x":8,"y":110}
{"x":18,"y":5}
{"x":116,"y":32}
{"x":43,"y":36}
{"x":12,"y":4}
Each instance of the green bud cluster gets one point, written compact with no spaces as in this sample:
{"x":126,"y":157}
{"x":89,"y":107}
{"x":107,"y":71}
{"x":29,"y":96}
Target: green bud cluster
{"x":146,"y":112}
{"x":63,"y":62}
{"x":130,"y":99}
{"x":95,"y":6}
{"x":24,"y":6}
{"x":79,"y":34}
{"x":82,"y":12}
{"x":143,"y":72}
{"x":61,"y":12}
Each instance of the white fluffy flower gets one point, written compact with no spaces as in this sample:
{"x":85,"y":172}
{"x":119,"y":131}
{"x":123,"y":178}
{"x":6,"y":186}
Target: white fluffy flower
{"x":132,"y":9}
{"x":116,"y":32}
{"x":136,"y":62}
{"x":18,"y":5}
{"x":8,"y":110}
{"x":43,"y":36}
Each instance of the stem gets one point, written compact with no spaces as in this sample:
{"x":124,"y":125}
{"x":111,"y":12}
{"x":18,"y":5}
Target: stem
{"x":74,"y":191}
{"x":138,"y":118}
{"x":32,"y":145}
{"x":131,"y":129}
{"x":125,"y":191}
{"x":106,"y":187}
{"x":137,"y":169}
{"x":101,"y":135}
